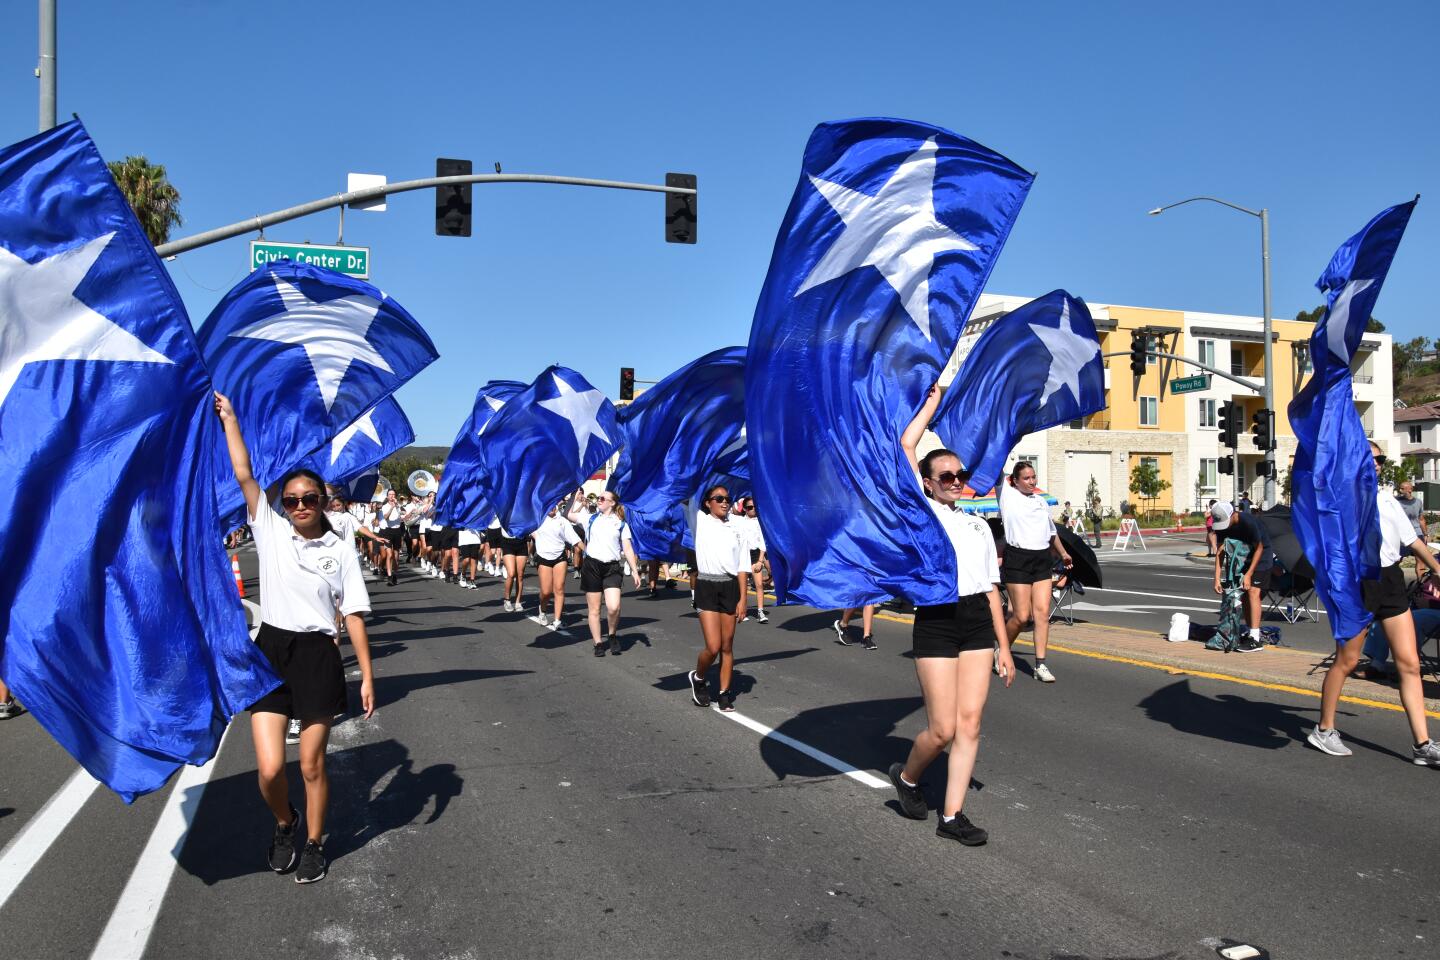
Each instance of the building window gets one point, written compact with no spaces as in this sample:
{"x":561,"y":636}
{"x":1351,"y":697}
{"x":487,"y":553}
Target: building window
{"x":1237,"y":361}
{"x":1208,"y":408}
{"x":1414,"y":433}
{"x":1206,"y":349}
{"x":1149,"y":411}
{"x":1209,"y":477}
{"x":1152,"y":344}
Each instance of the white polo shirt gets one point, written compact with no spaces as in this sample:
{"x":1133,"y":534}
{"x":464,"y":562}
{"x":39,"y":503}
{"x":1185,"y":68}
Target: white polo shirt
{"x":303,"y":582}
{"x":1027,"y":519}
{"x":467,"y":537}
{"x":603,"y":535}
{"x":390,"y":515}
{"x":976,"y":564}
{"x":552,"y":536}
{"x":1396,"y":530}
{"x":345,"y":525}
{"x":718,"y":547}
{"x":748,"y":528}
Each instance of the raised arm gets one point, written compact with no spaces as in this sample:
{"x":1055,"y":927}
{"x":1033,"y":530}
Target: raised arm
{"x":239,"y":453}
{"x":577,"y":512}
{"x":910,"y":438}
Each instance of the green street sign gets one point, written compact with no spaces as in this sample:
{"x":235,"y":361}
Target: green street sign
{"x":354,"y":261}
{"x":1201,"y":381}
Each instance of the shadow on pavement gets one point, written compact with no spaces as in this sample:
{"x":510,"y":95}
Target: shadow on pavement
{"x":382,"y":638}
{"x":232,"y":828}
{"x":389,"y":689}
{"x":554,"y":640}
{"x":810,"y":622}
{"x":777,"y":655}
{"x":860,"y":733}
{"x":6,"y":811}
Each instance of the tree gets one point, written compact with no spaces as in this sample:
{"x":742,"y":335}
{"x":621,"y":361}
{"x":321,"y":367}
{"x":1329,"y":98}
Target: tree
{"x":1145,"y":482}
{"x":398,"y":469}
{"x":1313,"y":316}
{"x":1396,"y":472}
{"x":1404,"y":356}
{"x":1092,"y":495}
{"x":152,"y":196}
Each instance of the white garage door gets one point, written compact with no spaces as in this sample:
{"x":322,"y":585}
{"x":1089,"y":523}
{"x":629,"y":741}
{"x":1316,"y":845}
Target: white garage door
{"x":1080,"y":466}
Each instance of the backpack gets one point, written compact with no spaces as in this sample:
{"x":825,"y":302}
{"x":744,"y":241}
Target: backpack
{"x":1234,"y":558}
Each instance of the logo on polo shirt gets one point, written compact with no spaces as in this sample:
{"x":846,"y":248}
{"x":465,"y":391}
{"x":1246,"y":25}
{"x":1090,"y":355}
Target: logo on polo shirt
{"x":329,"y":565}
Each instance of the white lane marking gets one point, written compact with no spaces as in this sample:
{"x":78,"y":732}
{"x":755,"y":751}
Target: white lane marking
{"x":834,"y":763}
{"x":1165,"y":596}
{"x":1140,"y":608}
{"x":133,"y":919}
{"x":27,"y":847}
{"x":1185,"y":576}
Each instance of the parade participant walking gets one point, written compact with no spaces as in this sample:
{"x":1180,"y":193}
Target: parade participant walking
{"x":607,"y":541}
{"x":9,"y":706}
{"x":391,"y":517}
{"x":469,"y":543}
{"x":552,"y":540}
{"x":867,"y":621}
{"x":752,"y":540}
{"x":516,"y":554}
{"x":306,"y":572}
{"x":1031,"y":546}
{"x":1230,"y":524}
{"x":720,"y":569}
{"x":952,"y":644}
{"x":1385,"y":598}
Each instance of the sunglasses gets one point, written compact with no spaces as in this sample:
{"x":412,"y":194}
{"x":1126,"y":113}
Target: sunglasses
{"x":719,"y":499}
{"x":311,"y":500}
{"x":948,"y":478}
{"x":1380,"y":459}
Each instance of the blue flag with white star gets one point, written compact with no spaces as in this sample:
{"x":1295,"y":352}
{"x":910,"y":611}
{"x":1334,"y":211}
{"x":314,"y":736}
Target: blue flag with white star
{"x":672,"y":436}
{"x":1032,"y":369}
{"x":461,"y":500}
{"x":731,"y":469}
{"x":1333,"y":477}
{"x":120,"y":627}
{"x":303,"y":352}
{"x":889,"y":238}
{"x":542,"y":444}
{"x":379,"y":432}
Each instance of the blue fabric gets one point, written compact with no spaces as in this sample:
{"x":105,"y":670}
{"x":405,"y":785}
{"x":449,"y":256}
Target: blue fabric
{"x":531,"y":455}
{"x":461,"y":500}
{"x":1333,"y":478}
{"x":361,"y":453}
{"x":836,"y":369}
{"x":1011,"y":385}
{"x":275,"y":387}
{"x":361,"y":489}
{"x":120,"y":627}
{"x":672,"y":435}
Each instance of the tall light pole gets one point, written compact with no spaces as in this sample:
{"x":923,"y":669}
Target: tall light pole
{"x":1269,"y":395}
{"x":45,"y":70}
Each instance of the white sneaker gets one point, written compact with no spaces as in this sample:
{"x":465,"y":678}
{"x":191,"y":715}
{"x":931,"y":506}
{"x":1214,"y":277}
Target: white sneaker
{"x":1043,"y":674}
{"x":292,"y":732}
{"x":544,"y":618}
{"x":555,"y":624}
{"x":509,"y":607}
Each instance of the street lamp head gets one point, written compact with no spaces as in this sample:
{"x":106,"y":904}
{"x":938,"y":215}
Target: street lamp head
{"x":1157,"y":210}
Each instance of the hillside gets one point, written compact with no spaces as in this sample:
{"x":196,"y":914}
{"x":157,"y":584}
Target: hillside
{"x":1421,"y":387}
{"x":427,"y":454}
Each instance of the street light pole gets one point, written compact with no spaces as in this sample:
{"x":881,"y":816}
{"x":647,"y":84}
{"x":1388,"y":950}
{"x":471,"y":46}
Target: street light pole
{"x":1269,"y":393}
{"x":45,"y":70}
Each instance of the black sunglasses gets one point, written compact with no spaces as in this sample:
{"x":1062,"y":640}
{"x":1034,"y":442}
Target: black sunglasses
{"x":719,"y":499}
{"x":311,"y":500}
{"x":948,"y":477}
{"x":1380,"y":459}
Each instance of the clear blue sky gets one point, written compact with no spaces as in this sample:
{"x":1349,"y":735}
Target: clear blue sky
{"x":1325,"y":112}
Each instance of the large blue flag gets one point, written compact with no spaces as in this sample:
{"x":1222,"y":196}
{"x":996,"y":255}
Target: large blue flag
{"x":731,"y":470}
{"x":379,"y":432}
{"x":672,"y":436}
{"x":542,"y":444}
{"x":304,"y":352}
{"x":1333,"y":478}
{"x":461,"y":500}
{"x":890,"y":236}
{"x":120,"y":627}
{"x":1034,"y":368}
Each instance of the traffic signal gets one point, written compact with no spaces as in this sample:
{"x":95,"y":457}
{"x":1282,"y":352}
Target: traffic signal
{"x":1264,"y":429}
{"x":452,"y":204}
{"x":1137,"y":353}
{"x":1226,"y":465}
{"x":680,"y":209}
{"x":627,"y":383}
{"x":1230,"y":415}
{"x":1262,"y":469}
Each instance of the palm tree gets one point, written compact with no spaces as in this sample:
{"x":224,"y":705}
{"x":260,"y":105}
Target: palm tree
{"x":152,"y":196}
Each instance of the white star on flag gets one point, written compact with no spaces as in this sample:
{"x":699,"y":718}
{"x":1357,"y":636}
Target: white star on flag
{"x":1339,"y":319}
{"x":40,"y":318}
{"x":331,"y":331}
{"x":895,"y":231}
{"x":1069,"y":352}
{"x":495,"y":406}
{"x":581,"y":409}
{"x":364,"y":425}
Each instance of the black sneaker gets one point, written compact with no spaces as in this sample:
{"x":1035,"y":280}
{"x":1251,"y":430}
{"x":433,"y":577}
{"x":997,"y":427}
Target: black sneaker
{"x":726,"y":701}
{"x":282,"y":844}
{"x":1249,"y":645}
{"x":912,"y":800}
{"x":698,"y":691}
{"x":840,"y":634}
{"x":392,"y":580}
{"x":614,"y":645}
{"x":313,"y":864}
{"x":599,"y":649}
{"x":868,"y":643}
{"x":963,"y":830}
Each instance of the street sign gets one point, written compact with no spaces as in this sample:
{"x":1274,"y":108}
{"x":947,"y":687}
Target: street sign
{"x":354,"y":261}
{"x":1201,"y":381}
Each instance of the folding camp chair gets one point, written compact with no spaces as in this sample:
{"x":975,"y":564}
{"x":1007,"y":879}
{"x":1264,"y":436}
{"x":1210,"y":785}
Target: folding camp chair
{"x":1292,"y":596}
{"x":1062,"y":599}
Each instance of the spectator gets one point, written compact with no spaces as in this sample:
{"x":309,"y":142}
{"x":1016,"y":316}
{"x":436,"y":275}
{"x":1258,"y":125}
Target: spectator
{"x":1094,"y":518}
{"x":1405,"y":493}
{"x":1232,"y":525}
{"x":1210,"y":540}
{"x":1245,"y":505}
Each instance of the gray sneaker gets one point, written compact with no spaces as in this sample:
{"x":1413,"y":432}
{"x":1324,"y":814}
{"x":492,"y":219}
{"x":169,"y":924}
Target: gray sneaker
{"x":1426,"y":755}
{"x":1328,"y":741}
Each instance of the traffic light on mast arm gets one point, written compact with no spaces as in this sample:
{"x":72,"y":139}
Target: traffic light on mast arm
{"x":680,"y":209}
{"x":1264,"y":429}
{"x":627,"y":383}
{"x":452,"y":204}
{"x":1137,"y":353}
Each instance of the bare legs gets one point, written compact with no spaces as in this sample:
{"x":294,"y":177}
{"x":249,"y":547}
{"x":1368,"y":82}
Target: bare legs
{"x":612,"y":612}
{"x":718,"y":631}
{"x":1031,"y":601}
{"x":268,"y":732}
{"x":514,"y":576}
{"x":954,"y":691}
{"x":552,"y":585}
{"x":1404,"y":652}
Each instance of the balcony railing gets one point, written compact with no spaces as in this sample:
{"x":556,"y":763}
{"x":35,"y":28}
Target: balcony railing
{"x":1363,"y":378}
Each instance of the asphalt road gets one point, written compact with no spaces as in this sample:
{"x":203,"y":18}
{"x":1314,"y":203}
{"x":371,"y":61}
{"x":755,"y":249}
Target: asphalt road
{"x":516,"y":797}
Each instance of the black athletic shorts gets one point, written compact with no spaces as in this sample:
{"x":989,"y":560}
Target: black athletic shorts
{"x":1386,"y":597}
{"x":754,"y":556}
{"x":470,"y":551}
{"x":948,"y":628}
{"x":596,"y":575}
{"x":1260,"y":579}
{"x":541,"y":561}
{"x":414,"y":531}
{"x":492,"y":536}
{"x":722,"y":596}
{"x":690,"y":560}
{"x":514,"y":547}
{"x":392,"y":536}
{"x":1026,"y":566}
{"x":309,"y":664}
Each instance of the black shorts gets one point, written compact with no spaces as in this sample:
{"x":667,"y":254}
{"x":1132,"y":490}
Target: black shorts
{"x":949,"y":628}
{"x":1260,"y":579}
{"x":721,"y":596}
{"x":1026,"y":566}
{"x":470,"y":551}
{"x":414,"y":531}
{"x":514,"y":547}
{"x":754,"y":556}
{"x":541,"y":561}
{"x":309,"y":664}
{"x":1386,"y":597}
{"x":492,"y":536}
{"x":690,"y":560}
{"x":579,"y":531}
{"x":392,"y":536}
{"x":596,"y":575}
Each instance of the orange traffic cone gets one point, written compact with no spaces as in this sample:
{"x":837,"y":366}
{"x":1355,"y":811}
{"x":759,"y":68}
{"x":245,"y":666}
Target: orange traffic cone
{"x":235,"y":567}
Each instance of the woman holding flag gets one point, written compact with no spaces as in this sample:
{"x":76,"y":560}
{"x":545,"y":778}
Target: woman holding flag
{"x":952,"y":643}
{"x":306,"y":573}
